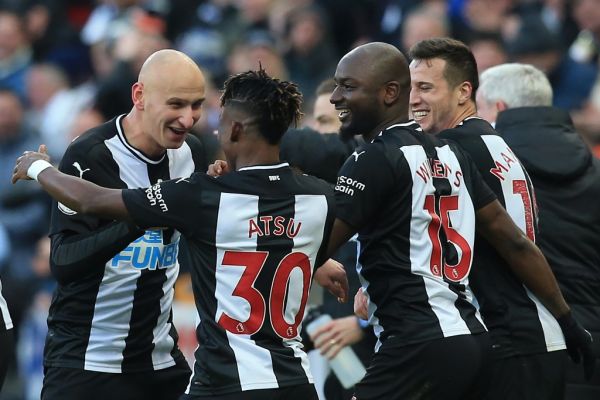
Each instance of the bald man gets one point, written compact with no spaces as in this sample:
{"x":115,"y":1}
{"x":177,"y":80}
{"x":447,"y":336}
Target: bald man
{"x":414,"y":201}
{"x":110,"y":331}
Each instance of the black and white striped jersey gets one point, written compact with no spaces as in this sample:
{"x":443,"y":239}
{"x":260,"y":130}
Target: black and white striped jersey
{"x":111,"y":311}
{"x":517,"y":320}
{"x":413,"y":200}
{"x":253,"y":238}
{"x":5,"y":321}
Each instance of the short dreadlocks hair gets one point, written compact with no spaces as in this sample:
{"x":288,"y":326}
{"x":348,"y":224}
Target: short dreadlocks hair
{"x":276,"y":104}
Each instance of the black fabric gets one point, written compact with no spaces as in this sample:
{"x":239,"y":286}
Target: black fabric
{"x":530,"y":377}
{"x":6,"y":352}
{"x":74,"y":256}
{"x":297,"y":392}
{"x":75,"y":384}
{"x":441,"y":369}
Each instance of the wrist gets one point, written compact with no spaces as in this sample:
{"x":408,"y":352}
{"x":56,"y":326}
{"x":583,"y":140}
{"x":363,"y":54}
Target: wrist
{"x":37,"y":167}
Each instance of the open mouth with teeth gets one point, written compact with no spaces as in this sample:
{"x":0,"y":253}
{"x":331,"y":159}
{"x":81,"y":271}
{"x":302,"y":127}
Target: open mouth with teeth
{"x":343,"y":114}
{"x":418,"y":115}
{"x":178,"y":131}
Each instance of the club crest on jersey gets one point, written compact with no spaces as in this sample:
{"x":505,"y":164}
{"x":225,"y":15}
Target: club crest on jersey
{"x":268,"y":225}
{"x":147,"y":252}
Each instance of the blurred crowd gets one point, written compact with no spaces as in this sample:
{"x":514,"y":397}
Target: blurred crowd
{"x":66,"y":66}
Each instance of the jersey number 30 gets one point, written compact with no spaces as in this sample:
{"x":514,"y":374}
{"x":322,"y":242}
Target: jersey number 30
{"x":253,"y":262}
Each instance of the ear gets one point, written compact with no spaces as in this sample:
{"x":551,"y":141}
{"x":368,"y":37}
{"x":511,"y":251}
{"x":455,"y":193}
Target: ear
{"x":391,"y":91}
{"x":237,"y":129}
{"x":137,"y":95}
{"x":500,"y":105}
{"x":465,"y":90}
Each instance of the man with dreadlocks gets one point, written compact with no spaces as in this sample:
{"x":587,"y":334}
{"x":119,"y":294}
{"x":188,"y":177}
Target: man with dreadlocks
{"x":253,"y":239}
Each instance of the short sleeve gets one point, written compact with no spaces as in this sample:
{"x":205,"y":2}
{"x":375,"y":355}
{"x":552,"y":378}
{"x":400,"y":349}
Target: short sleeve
{"x":167,"y":204}
{"x":480,"y":192}
{"x":363,"y":182}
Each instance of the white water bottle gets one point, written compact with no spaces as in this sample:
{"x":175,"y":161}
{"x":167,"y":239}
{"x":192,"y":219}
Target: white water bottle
{"x":345,"y":365}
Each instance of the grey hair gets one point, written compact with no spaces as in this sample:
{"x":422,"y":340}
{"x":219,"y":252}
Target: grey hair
{"x":517,"y":85}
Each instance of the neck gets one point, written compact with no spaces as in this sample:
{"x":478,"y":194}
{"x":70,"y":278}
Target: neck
{"x":264,"y":155}
{"x":136,"y":137}
{"x":399,"y":118}
{"x":469,"y":110}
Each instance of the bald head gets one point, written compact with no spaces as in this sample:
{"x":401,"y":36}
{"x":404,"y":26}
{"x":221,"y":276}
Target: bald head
{"x":381,"y":62}
{"x":168,"y":65}
{"x":373,"y":87}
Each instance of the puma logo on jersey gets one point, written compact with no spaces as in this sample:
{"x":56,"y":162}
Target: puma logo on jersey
{"x":81,"y":171}
{"x":356,"y":155}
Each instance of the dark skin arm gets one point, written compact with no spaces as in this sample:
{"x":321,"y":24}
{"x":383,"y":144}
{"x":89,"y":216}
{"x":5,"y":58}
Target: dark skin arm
{"x":77,"y":194}
{"x":524,"y":258}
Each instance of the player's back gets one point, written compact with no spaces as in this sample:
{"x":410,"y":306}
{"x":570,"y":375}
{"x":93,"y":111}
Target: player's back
{"x":518,"y":322}
{"x":255,"y":237}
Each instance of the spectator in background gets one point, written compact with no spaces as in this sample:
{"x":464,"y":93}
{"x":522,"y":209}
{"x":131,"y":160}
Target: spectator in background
{"x":325,"y":118}
{"x":23,"y":212}
{"x":54,"y":105}
{"x":488,"y":50}
{"x":567,"y":186}
{"x":15,"y":52}
{"x":586,"y":48}
{"x":424,"y":22}
{"x":529,"y":41}
{"x":311,"y":56}
{"x":140,"y":36}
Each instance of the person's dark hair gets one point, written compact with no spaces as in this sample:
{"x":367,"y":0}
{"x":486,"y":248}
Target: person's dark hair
{"x":460,"y":62}
{"x":325,"y":87}
{"x":276,"y":104}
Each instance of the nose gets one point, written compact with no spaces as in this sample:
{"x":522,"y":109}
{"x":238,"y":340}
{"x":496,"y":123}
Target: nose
{"x":189,"y":117}
{"x":414,"y":98}
{"x":335,"y":96}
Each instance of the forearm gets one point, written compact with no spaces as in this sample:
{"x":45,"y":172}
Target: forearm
{"x":83,"y":196}
{"x":524,"y":258}
{"x":75,"y":256}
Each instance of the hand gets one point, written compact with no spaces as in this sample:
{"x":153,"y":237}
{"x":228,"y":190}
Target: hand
{"x":332,"y":276}
{"x":361,"y":309}
{"x":579,"y":343}
{"x":24,"y":162}
{"x":218,"y":168}
{"x":334,"y":335}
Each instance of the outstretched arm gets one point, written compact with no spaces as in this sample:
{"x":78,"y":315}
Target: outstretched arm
{"x":77,"y":194}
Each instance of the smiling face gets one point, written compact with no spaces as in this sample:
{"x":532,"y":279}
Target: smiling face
{"x":172,"y":107}
{"x":434,"y":104}
{"x":325,"y":115}
{"x":356,"y":97}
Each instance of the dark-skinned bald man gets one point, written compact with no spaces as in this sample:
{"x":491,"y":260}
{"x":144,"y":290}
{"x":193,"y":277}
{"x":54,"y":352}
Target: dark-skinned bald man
{"x":414,"y":201}
{"x":110,"y":331}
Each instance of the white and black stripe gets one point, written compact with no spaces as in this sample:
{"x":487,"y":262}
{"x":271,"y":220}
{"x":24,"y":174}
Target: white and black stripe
{"x":5,"y":321}
{"x":117,"y":318}
{"x":518,"y":322}
{"x":261,"y":348}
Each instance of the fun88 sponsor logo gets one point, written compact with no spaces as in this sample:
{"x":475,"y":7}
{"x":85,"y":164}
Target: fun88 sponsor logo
{"x":147,"y":252}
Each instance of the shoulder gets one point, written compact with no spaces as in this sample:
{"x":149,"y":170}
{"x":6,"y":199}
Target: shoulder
{"x":194,"y":142}
{"x":91,"y":144}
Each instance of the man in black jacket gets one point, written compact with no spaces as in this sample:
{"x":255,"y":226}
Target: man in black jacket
{"x":567,"y":185}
